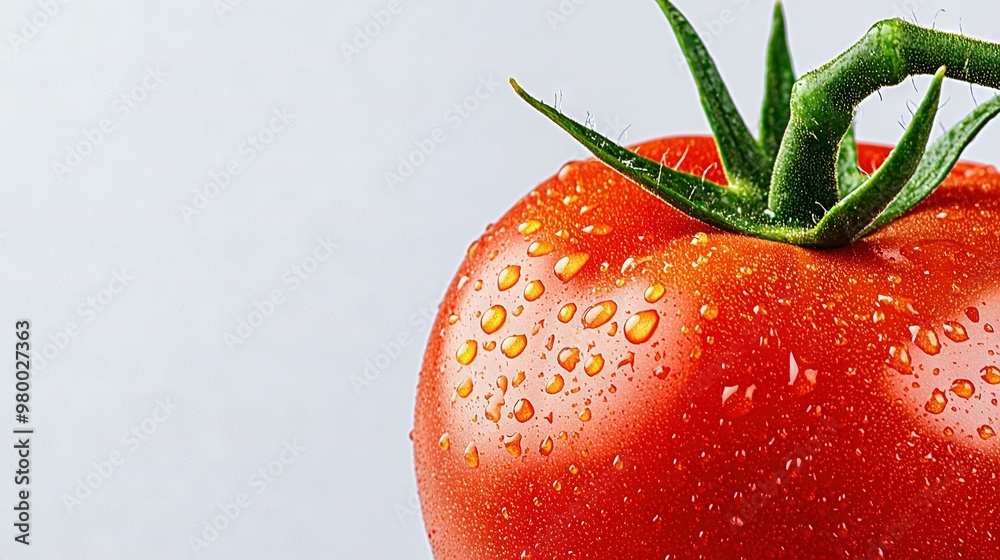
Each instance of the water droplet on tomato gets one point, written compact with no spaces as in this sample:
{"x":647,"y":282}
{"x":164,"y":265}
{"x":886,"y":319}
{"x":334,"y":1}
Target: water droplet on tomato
{"x":513,"y":444}
{"x":586,"y":415}
{"x":937,"y":402}
{"x":710,"y":311}
{"x":518,"y":379}
{"x":529,"y":227}
{"x":557,"y":486}
{"x":899,"y":360}
{"x":972,"y":313}
{"x":534,"y":290}
{"x":472,"y":455}
{"x":986,"y":432}
{"x":540,"y":248}
{"x":546,"y":446}
{"x":464,"y":388}
{"x":489,"y":346}
{"x":599,"y":314}
{"x":568,"y":358}
{"x":594,"y":365}
{"x":478,"y":285}
{"x":508,"y":277}
{"x":502,"y":384}
{"x":955,"y":332}
{"x":568,"y":266}
{"x":445,"y":441}
{"x":494,"y":409}
{"x":567,"y":312}
{"x":991,"y":375}
{"x":512,"y":346}
{"x":618,"y":463}
{"x":640,"y":327}
{"x":467,"y":352}
{"x":554,"y":384}
{"x":963,"y":388}
{"x":654,"y":293}
{"x":927,"y":340}
{"x":493,"y":319}
{"x":598,"y":229}
{"x":523,"y":411}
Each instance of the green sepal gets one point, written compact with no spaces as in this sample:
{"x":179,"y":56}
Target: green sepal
{"x":850,"y":217}
{"x":777,"y":88}
{"x":745,"y":165}
{"x":714,"y":204}
{"x":938,"y":162}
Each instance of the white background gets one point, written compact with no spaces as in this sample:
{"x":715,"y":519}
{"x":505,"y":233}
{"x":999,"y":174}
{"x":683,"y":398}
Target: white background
{"x":350,"y":491}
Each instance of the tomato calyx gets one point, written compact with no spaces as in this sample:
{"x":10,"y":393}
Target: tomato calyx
{"x":800,"y":183}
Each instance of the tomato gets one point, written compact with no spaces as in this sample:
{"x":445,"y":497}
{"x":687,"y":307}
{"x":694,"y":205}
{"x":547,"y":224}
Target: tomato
{"x":610,"y":378}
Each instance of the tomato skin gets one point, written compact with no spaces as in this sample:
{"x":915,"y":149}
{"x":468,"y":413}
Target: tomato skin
{"x":787,"y":404}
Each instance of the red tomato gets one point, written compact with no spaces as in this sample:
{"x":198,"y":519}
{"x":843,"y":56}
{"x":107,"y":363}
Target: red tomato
{"x":609,"y":378}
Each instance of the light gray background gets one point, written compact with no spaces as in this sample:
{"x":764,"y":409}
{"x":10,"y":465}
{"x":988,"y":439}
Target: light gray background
{"x":350,"y":491}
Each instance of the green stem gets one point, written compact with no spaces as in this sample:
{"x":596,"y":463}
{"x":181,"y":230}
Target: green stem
{"x":804,"y":181}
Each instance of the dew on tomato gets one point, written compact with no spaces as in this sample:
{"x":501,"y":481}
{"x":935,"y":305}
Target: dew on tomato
{"x":956,"y":331}
{"x":471,"y":456}
{"x":519,"y":378}
{"x":513,"y":444}
{"x":493,"y":319}
{"x":594,"y":365}
{"x":523,"y":410}
{"x":568,"y":358}
{"x":528,"y":227}
{"x":464,"y":388}
{"x":567,"y":267}
{"x":514,"y":345}
{"x":467,"y":352}
{"x":534,"y":290}
{"x":937,"y":402}
{"x":540,"y":248}
{"x":963,"y":388}
{"x":545,"y":448}
{"x":926,"y":340}
{"x":555,"y":384}
{"x":640,"y":327}
{"x":991,"y":375}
